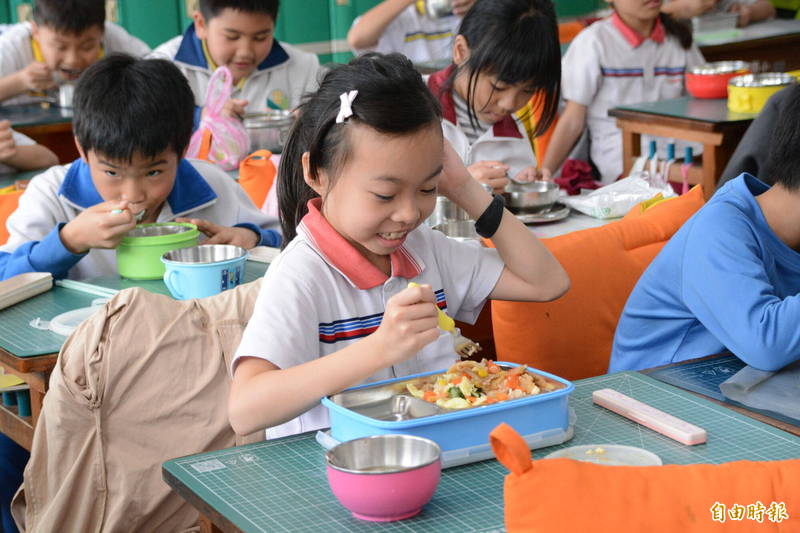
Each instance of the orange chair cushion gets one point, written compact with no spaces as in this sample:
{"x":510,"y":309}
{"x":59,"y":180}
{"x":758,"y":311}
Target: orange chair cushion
{"x":8,"y":204}
{"x":573,"y":496}
{"x":256,"y":176}
{"x":572,"y":336}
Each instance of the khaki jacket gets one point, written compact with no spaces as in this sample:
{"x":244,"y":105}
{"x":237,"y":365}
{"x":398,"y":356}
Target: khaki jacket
{"x":142,"y":381}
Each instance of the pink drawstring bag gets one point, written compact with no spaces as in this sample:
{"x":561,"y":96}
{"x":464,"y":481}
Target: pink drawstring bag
{"x":218,"y":139}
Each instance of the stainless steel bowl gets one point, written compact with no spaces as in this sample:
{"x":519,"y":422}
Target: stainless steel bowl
{"x":148,"y":230}
{"x":765,"y":79}
{"x":446,"y":211}
{"x":719,"y":67}
{"x":205,"y":253}
{"x":437,"y":9}
{"x":65,"y":95}
{"x":268,"y":130}
{"x":460,"y":230}
{"x":383,"y":454}
{"x":533,"y":196}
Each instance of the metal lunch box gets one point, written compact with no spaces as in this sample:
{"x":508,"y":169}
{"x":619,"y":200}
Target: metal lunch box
{"x":383,"y":407}
{"x":749,"y":93}
{"x":268,"y":130}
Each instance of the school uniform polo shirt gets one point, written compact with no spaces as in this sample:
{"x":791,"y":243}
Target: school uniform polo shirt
{"x":505,"y":141}
{"x":417,"y":36}
{"x":322,"y":295}
{"x":17,"y":52}
{"x":278,"y":82}
{"x":608,"y":65}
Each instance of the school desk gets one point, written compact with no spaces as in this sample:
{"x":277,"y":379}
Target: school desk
{"x":705,"y":121}
{"x":281,"y":485}
{"x":704,"y":375}
{"x":31,"y":353}
{"x":775,"y":42}
{"x":45,"y":123}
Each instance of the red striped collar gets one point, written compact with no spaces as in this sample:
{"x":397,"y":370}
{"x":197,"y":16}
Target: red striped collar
{"x":505,"y":127}
{"x":345,"y":258}
{"x":632,"y":36}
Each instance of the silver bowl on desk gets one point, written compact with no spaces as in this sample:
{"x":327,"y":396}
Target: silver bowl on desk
{"x":268,"y":130}
{"x":532,"y":196}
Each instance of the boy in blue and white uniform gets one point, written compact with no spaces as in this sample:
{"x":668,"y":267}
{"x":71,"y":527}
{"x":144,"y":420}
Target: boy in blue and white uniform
{"x":64,"y":39}
{"x":730,"y":277}
{"x":239,"y":34}
{"x":133,"y":121}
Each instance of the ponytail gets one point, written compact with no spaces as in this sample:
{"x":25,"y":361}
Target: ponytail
{"x":679,"y":29}
{"x":392,"y":99}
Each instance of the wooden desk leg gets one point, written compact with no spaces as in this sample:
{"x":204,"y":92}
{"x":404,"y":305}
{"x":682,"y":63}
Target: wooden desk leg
{"x":631,"y":147}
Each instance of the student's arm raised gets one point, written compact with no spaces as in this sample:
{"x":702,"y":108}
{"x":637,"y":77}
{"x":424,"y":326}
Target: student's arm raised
{"x":367,"y":31}
{"x":531,"y":272}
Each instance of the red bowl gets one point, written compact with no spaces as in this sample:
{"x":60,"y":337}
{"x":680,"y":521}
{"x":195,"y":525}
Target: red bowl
{"x":711,"y":80}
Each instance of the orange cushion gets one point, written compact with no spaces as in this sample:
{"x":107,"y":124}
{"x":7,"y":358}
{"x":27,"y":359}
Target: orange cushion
{"x":573,"y":496}
{"x":256,"y":176}
{"x":8,"y":204}
{"x":572,"y":336}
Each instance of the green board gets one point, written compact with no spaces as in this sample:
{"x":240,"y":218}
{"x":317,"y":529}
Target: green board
{"x":281,"y":485}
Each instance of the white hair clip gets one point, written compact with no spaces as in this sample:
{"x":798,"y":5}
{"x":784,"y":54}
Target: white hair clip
{"x":346,"y":106}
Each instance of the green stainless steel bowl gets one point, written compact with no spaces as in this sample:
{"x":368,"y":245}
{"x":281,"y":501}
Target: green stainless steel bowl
{"x":139,"y":253}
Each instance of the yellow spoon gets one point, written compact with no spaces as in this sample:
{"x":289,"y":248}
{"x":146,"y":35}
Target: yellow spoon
{"x":464,"y":347}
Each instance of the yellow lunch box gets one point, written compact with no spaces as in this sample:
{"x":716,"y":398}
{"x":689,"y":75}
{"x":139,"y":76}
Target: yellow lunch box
{"x":749,"y":93}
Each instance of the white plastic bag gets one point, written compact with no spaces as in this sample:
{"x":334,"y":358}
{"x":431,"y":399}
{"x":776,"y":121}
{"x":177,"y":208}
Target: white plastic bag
{"x":616,"y":199}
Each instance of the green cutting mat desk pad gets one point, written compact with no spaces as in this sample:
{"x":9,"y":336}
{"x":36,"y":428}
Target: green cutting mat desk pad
{"x":281,"y":485}
{"x":18,"y":338}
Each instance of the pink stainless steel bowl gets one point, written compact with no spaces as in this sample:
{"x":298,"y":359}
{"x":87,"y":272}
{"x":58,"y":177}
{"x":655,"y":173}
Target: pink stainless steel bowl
{"x":385,"y":477}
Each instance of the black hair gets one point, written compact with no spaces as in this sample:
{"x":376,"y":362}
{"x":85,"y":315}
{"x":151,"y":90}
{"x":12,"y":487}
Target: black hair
{"x":125,"y":106}
{"x":392,"y":99}
{"x":70,"y":16}
{"x":212,"y":8}
{"x":783,"y":163}
{"x":679,"y":29}
{"x":517,"y":42}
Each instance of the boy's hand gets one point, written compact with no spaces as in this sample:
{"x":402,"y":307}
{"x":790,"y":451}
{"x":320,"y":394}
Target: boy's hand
{"x":493,"y":174}
{"x":37,"y":77}
{"x":460,"y":7}
{"x":8,"y":148}
{"x":409,"y":323}
{"x":745,"y":14}
{"x":98,"y":227}
{"x":216,"y":234}
{"x":234,"y":108}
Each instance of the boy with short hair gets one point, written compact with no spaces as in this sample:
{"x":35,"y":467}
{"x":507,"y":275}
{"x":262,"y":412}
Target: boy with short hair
{"x":240,"y":34}
{"x":730,"y":277}
{"x":133,"y":122}
{"x":64,"y":39}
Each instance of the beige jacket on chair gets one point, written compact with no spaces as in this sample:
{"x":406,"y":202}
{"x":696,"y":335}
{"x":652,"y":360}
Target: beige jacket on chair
{"x":142,"y":381}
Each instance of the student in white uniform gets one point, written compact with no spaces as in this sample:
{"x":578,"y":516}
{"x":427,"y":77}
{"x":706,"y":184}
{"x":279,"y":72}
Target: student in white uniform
{"x":240,"y":34}
{"x":635,"y":55}
{"x":133,"y":121}
{"x":359,"y":175}
{"x":506,"y":51}
{"x":65,"y":38}
{"x":20,"y":152}
{"x":402,"y":26}
{"x":749,"y":10}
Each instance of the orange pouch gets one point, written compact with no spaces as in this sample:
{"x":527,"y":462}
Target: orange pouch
{"x":8,"y":204}
{"x":256,"y":176}
{"x":564,"y":495}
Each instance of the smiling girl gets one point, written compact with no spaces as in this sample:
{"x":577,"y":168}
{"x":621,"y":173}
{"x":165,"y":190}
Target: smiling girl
{"x":360,"y":173}
{"x":505,"y":52}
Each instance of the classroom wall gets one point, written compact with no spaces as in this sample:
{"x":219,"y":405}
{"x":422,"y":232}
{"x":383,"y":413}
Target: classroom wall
{"x":319,"y":26}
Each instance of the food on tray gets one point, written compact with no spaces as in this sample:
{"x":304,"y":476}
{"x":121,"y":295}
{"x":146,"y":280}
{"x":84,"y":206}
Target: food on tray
{"x":470,"y":384}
